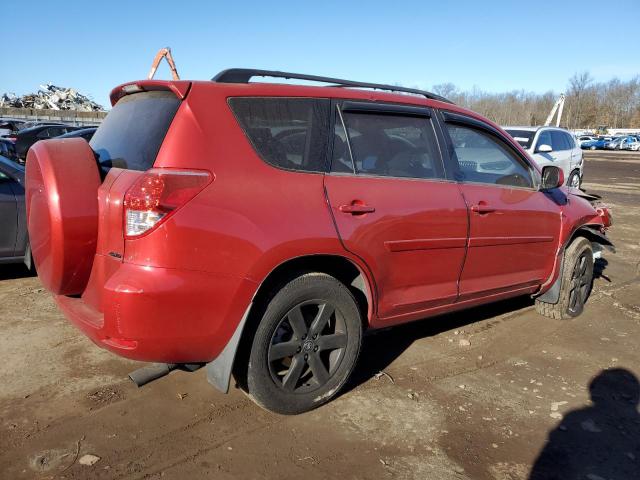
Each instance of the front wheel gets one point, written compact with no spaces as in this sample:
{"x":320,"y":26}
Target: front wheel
{"x":576,"y":281}
{"x":306,"y":345}
{"x":592,"y":148}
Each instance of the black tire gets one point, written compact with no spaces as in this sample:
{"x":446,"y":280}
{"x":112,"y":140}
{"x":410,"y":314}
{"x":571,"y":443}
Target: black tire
{"x":305,"y":346}
{"x":573,"y":177}
{"x":576,"y":282}
{"x":592,"y":148}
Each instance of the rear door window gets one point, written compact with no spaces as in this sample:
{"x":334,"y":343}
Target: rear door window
{"x":383,"y":144}
{"x":558,"y":141}
{"x":289,"y":133}
{"x":131,"y":135}
{"x":570,"y":140}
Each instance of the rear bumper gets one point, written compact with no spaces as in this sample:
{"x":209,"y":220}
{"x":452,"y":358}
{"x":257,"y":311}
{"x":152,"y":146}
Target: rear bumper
{"x":161,"y":315}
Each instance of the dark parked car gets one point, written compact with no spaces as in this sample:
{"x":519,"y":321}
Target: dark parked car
{"x":29,"y":136}
{"x":85,"y":133}
{"x":37,"y":123}
{"x":9,"y":126}
{"x":8,"y":148}
{"x":14,"y":244}
{"x":597,"y":144}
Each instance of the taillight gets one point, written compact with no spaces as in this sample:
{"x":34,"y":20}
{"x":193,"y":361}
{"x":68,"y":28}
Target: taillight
{"x":157,"y":194}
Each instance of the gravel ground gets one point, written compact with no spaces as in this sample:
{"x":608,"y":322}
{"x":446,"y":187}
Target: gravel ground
{"x":491,"y":393}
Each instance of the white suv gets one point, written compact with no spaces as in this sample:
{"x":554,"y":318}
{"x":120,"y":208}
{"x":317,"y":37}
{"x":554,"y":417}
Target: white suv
{"x":552,"y":146}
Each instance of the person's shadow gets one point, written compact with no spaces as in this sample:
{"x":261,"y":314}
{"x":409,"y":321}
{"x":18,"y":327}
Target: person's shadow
{"x":599,"y":442}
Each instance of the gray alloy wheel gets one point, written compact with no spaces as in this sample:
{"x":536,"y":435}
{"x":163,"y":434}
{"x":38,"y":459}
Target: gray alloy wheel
{"x":575,"y":282}
{"x":580,"y":283}
{"x":305,"y":346}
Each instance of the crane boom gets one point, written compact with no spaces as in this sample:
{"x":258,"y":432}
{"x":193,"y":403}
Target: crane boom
{"x":164,"y":53}
{"x":557,"y":107}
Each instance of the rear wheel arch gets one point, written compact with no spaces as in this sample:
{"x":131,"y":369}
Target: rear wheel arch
{"x":574,"y":172}
{"x":339,"y":267}
{"x":235,"y":357}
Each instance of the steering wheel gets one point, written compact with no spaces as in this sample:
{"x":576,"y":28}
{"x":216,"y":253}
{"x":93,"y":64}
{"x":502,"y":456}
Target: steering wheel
{"x":514,"y":179}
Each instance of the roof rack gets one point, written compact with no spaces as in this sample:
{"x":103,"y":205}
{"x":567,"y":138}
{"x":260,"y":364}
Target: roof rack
{"x":243,"y":75}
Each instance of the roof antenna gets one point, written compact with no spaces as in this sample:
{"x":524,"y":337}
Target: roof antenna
{"x":166,"y":54}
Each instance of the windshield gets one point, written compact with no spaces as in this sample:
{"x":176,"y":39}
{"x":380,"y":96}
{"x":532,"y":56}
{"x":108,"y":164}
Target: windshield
{"x":523,"y":137}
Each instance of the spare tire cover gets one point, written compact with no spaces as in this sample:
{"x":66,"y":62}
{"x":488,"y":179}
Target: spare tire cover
{"x":62,"y":182}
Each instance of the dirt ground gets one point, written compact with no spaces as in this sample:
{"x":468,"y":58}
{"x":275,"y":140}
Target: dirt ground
{"x":491,"y":393}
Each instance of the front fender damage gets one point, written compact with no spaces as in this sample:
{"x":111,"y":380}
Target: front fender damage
{"x":599,"y":241}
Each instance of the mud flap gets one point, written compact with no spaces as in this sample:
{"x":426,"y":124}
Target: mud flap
{"x":219,"y":370}
{"x":553,"y":294}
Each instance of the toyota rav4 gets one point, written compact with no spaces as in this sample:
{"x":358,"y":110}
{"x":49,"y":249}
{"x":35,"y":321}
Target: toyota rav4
{"x":260,"y":229}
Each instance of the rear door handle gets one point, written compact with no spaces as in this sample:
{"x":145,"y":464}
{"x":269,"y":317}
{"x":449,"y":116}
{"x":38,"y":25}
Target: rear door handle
{"x":356,"y":208}
{"x":482,"y":208}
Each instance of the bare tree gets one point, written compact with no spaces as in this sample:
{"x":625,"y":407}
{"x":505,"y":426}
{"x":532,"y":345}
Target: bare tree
{"x":589,"y":104}
{"x":447,"y":90}
{"x":577,"y":87}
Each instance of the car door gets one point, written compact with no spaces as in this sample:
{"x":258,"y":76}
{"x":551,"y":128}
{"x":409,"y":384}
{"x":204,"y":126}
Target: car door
{"x":562,"y":152}
{"x":543,"y":158}
{"x":394,"y":209}
{"x":575,"y":152}
{"x":8,"y":217}
{"x":514,"y":228}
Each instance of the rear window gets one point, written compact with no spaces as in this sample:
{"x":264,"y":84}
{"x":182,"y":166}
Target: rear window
{"x":523,"y":137}
{"x":132,"y":133}
{"x":289,"y":133}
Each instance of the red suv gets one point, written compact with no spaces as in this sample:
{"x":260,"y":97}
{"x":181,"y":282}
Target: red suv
{"x":261,"y":228}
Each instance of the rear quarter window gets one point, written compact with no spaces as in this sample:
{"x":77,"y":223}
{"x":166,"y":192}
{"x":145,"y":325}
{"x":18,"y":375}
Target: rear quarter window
{"x":289,"y":133}
{"x":132,"y":133}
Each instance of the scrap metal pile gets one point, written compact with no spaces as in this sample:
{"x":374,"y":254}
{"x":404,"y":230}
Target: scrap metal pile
{"x":51,"y":97}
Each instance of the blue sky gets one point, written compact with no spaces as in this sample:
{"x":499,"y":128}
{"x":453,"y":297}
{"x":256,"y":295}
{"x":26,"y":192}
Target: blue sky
{"x":496,"y":46}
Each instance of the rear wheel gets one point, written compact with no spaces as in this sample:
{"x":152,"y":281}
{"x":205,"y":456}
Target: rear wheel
{"x":305,"y":346}
{"x":592,"y":147}
{"x":574,"y":179}
{"x":576,"y":281}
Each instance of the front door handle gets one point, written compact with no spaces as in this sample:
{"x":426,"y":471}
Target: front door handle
{"x":482,"y":208}
{"x":356,"y":208}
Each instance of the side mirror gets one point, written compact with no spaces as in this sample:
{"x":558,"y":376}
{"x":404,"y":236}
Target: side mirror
{"x":544,"y":148}
{"x":552,"y":177}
